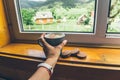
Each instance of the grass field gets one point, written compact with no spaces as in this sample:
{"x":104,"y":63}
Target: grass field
{"x":63,"y":26}
{"x":68,"y":26}
{"x":114,"y":27}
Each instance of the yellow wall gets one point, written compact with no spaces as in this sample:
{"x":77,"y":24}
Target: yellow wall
{"x":4,"y":33}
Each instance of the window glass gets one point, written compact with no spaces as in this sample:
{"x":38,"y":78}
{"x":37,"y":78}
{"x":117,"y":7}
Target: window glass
{"x":114,"y":17}
{"x":57,"y":15}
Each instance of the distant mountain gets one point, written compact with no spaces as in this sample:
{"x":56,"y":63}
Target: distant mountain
{"x":30,"y":4}
{"x":39,"y":3}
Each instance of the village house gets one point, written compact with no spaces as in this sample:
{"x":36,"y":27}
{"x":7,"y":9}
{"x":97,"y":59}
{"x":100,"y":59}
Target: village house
{"x":43,"y":18}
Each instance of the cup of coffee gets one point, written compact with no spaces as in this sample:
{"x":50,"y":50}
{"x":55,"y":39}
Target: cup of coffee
{"x":53,"y":39}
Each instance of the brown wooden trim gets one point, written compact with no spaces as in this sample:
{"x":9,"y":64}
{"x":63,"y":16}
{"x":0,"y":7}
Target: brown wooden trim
{"x":16,"y":69}
{"x":89,"y":45}
{"x":65,"y":61}
{"x":96,"y":57}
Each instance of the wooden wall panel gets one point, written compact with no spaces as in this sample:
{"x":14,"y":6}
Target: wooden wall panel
{"x":15,"y":69}
{"x":4,"y":33}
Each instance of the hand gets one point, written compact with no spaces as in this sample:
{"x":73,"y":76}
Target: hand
{"x":52,"y":54}
{"x":52,"y":51}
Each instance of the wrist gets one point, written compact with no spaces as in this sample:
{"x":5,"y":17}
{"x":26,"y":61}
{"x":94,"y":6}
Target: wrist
{"x":48,"y":67}
{"x":51,"y":61}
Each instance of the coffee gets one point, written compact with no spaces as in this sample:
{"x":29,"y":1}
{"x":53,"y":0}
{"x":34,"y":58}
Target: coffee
{"x":54,"y":35}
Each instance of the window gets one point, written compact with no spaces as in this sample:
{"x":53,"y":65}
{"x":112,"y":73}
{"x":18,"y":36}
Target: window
{"x":57,"y":15}
{"x":114,"y":17}
{"x":83,"y":21}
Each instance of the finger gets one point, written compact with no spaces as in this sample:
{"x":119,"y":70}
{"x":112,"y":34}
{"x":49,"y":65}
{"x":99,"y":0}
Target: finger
{"x":42,"y":35}
{"x":44,"y":41}
{"x":62,"y":44}
{"x":40,"y":40}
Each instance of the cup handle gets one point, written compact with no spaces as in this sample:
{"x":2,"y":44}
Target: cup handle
{"x":39,"y":42}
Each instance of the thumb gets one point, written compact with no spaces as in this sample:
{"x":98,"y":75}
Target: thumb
{"x":62,"y":44}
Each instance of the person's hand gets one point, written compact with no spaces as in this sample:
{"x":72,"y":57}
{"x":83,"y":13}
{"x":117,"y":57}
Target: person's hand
{"x":52,"y":51}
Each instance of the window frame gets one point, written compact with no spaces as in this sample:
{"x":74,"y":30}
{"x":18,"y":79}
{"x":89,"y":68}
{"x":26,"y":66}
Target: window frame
{"x":98,"y":37}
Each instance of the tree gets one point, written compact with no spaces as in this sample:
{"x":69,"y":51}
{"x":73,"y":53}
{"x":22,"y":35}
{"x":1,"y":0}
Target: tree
{"x":27,"y":15}
{"x":113,"y":15}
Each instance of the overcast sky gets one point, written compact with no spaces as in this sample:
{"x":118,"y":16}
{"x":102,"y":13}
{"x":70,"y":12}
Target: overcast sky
{"x":38,"y":0}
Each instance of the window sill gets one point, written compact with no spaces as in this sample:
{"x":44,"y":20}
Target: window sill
{"x":102,"y":58}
